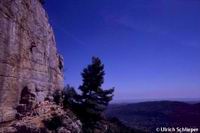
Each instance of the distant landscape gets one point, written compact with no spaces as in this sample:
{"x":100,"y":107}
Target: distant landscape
{"x":125,"y":101}
{"x":148,"y":116}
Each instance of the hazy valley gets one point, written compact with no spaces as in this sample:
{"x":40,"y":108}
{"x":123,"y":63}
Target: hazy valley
{"x":151,"y":115}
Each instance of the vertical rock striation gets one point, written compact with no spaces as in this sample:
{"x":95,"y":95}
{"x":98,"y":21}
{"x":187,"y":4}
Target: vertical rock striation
{"x":29,"y":61}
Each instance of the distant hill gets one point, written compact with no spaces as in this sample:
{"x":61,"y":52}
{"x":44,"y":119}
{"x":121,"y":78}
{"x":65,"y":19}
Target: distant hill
{"x":148,"y":116}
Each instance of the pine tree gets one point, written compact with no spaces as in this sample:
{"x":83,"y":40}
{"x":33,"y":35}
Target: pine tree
{"x":94,"y":99}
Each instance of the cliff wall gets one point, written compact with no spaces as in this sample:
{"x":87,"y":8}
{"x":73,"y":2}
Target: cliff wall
{"x":29,"y":62}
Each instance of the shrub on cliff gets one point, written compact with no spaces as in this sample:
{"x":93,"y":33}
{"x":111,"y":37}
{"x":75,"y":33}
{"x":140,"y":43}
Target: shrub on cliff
{"x":42,"y":2}
{"x":71,"y":98}
{"x":58,"y":97}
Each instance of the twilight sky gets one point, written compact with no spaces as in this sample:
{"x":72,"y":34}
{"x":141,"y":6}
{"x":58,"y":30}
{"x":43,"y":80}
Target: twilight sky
{"x":150,"y":48}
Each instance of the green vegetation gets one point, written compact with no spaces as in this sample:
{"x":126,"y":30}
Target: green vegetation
{"x":92,"y":100}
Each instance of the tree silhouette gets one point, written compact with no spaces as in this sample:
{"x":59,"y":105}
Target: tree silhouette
{"x":94,"y":99}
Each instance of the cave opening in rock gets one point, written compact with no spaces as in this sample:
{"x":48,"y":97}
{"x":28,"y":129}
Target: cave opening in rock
{"x":24,"y":96}
{"x":27,"y":98}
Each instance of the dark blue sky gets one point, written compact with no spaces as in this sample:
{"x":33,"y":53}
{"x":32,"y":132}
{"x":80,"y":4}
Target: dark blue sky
{"x":150,"y":48}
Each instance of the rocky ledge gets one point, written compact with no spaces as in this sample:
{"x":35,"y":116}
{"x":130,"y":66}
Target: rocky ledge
{"x":46,"y":117}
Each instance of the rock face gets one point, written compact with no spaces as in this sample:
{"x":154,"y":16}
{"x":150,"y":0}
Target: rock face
{"x":30,"y":67}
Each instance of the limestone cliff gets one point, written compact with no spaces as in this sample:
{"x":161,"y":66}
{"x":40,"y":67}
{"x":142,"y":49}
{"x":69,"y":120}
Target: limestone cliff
{"x":29,"y":62}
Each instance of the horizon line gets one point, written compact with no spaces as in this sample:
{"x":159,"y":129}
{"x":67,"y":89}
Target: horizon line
{"x":154,"y":99}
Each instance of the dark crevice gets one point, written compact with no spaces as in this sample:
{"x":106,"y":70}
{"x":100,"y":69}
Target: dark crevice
{"x":32,"y":46}
{"x":60,"y":65}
